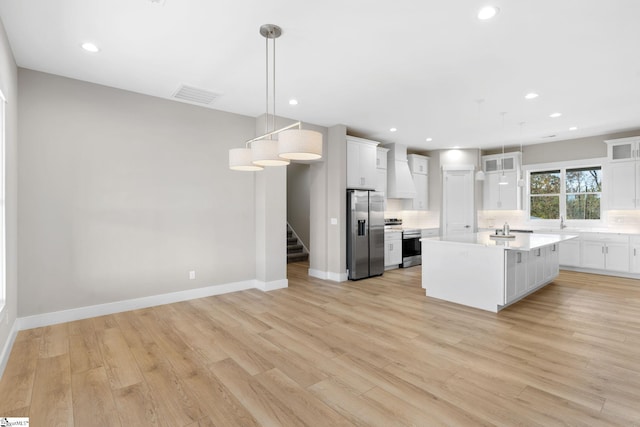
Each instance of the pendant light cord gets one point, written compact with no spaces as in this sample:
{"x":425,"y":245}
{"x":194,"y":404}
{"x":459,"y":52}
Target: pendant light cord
{"x":271,"y":119}
{"x":274,"y":84}
{"x":502,"y":161}
{"x":266,"y":69}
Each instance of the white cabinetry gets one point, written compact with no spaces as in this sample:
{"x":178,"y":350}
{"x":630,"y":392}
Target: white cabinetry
{"x":551,"y":262}
{"x":623,"y":178}
{"x":381,"y":170}
{"x":505,"y":196}
{"x":623,"y":149}
{"x":528,"y":270}
{"x":605,"y":252}
{"x":418,"y":164}
{"x":361,"y":164}
{"x":392,"y":249}
{"x":570,"y":253}
{"x":517,"y":280}
{"x":634,"y":254}
{"x":419,"y":168}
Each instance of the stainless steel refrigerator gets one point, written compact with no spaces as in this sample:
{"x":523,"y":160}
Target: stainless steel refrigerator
{"x":365,"y":233}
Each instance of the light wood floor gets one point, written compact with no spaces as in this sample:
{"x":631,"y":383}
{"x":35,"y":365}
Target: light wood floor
{"x":372,"y":352}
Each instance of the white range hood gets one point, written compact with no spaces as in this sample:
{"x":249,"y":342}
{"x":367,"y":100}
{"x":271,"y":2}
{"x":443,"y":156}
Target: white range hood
{"x":399,"y":180}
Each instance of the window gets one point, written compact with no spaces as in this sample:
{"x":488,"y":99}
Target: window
{"x":2,"y":207}
{"x":544,"y":190}
{"x":570,"y":193}
{"x":583,"y":187}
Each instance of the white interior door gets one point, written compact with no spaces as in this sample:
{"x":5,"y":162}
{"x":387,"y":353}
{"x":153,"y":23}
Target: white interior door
{"x":458,"y":213}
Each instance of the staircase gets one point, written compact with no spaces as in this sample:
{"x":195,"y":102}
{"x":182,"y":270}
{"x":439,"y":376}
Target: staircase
{"x":295,"y":251}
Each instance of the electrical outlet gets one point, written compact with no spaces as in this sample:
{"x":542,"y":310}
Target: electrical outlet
{"x":192,"y":275}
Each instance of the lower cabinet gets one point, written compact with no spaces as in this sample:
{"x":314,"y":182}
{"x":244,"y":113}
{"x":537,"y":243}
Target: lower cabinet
{"x":634,"y":254}
{"x":517,"y":277}
{"x":570,"y":253}
{"x":392,"y":249}
{"x":609,"y":252}
{"x":528,"y":270}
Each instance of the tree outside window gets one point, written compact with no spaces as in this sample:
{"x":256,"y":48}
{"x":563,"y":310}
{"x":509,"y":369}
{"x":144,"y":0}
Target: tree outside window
{"x":583,"y":188}
{"x":544,"y":190}
{"x":570,"y":193}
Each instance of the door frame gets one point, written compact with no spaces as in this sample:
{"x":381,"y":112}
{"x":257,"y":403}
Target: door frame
{"x":471,"y":170}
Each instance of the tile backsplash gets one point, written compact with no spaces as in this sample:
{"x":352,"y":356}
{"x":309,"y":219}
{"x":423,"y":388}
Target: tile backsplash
{"x":614,"y":221}
{"x":411,"y":218}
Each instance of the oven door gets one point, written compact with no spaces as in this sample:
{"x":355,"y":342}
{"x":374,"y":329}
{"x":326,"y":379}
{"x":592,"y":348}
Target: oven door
{"x":411,"y":250}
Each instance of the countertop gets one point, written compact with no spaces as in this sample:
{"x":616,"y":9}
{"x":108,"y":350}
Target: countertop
{"x":521,"y":241}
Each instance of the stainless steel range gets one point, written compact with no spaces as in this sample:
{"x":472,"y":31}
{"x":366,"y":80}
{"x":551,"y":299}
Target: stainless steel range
{"x":411,"y":247}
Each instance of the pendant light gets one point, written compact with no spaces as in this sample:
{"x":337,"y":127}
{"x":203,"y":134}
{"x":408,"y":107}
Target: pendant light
{"x":300,"y":144}
{"x":521,"y":175}
{"x":503,"y":178}
{"x":266,"y":149}
{"x":480,"y":173}
{"x":241,"y":159}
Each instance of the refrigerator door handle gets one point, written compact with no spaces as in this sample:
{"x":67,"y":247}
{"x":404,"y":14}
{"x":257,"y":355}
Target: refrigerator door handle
{"x":362,"y":227}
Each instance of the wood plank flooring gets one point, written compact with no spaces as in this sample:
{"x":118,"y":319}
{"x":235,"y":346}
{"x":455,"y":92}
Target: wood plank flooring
{"x":376,"y":352}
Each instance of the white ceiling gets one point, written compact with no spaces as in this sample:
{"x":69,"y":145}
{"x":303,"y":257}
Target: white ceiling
{"x":418,"y":65}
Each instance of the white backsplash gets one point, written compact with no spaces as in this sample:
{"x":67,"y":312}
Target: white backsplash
{"x":411,"y":218}
{"x":496,"y":219}
{"x":614,"y":221}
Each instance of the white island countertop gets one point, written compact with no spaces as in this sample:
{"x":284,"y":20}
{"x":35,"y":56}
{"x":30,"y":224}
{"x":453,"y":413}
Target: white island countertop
{"x":520,"y":241}
{"x":475,"y":270}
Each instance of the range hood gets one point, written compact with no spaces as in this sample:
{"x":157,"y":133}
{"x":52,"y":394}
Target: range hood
{"x":399,"y":180}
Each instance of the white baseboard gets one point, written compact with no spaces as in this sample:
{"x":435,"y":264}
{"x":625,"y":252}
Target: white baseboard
{"x":272,"y":286}
{"x":318,"y":274}
{"x":338,"y":277}
{"x":601,"y":272}
{"x":8,"y":345}
{"x":80,"y":313}
{"x":328,"y":275}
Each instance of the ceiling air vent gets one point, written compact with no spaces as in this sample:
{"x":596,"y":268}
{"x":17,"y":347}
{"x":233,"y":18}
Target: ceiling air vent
{"x":549,"y":136}
{"x":195,"y":95}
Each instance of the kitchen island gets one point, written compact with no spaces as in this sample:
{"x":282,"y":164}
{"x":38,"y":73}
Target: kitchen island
{"x":484,"y":271}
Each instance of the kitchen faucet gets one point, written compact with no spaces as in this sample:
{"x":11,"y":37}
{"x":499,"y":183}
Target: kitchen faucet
{"x":562,"y":224}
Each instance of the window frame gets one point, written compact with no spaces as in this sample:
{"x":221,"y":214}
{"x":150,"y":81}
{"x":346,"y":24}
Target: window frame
{"x":3,"y":206}
{"x":563,"y":166}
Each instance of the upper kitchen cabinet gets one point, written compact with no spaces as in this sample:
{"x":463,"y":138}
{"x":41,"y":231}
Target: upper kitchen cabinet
{"x":623,"y":173}
{"x":381,"y":170}
{"x":419,"y":168}
{"x":501,"y":190}
{"x":623,"y":149}
{"x":361,"y":164}
{"x":418,"y":165}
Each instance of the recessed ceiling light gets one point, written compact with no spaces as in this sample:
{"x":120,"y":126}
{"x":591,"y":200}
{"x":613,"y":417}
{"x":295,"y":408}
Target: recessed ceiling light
{"x":393,"y":130}
{"x":573,"y":128}
{"x":90,"y":47}
{"x":293,"y":102}
{"x":429,"y":139}
{"x":487,"y":12}
{"x":555,"y":115}
{"x":531,"y":95}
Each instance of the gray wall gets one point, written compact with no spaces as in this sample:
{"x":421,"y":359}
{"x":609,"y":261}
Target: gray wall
{"x":122,"y":194}
{"x":9,"y":87}
{"x":298,"y":188}
{"x":573,"y":149}
{"x":590,"y":147}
